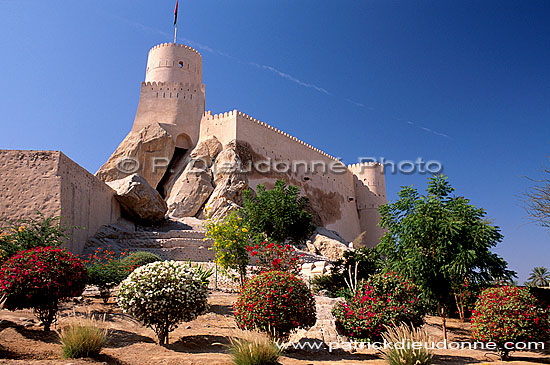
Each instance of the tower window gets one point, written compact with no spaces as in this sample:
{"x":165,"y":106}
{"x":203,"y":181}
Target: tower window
{"x":180,"y":64}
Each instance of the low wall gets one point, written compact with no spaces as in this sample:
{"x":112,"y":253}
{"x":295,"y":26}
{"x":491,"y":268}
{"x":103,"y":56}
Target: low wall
{"x":50,"y":182}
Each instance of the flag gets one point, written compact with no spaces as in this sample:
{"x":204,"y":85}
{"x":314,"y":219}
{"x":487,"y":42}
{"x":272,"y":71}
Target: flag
{"x":176,"y":14}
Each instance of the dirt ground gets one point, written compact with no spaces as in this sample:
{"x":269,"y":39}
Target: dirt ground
{"x":202,"y":341}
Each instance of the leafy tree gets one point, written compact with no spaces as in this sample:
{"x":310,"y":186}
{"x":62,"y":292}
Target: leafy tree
{"x":231,"y":238}
{"x":540,"y":276}
{"x":440,"y":241}
{"x":278,"y":214}
{"x":536,"y":200}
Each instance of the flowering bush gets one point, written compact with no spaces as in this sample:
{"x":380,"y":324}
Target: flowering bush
{"x":275,"y":302}
{"x":105,"y":270}
{"x":231,"y":237}
{"x":162,"y":295}
{"x":24,"y":234}
{"x":40,"y":278}
{"x":382,"y":300}
{"x":275,"y":256}
{"x":509,"y":314}
{"x":139,"y":258}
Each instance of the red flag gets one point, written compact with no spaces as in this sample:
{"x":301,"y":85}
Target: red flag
{"x":176,"y":13}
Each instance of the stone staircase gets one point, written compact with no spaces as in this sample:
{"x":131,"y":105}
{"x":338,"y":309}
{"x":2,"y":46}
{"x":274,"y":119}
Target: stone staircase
{"x":170,"y":242}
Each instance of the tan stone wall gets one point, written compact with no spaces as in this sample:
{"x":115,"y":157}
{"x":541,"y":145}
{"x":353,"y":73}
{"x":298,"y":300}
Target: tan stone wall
{"x":222,"y":126}
{"x":49,"y":182}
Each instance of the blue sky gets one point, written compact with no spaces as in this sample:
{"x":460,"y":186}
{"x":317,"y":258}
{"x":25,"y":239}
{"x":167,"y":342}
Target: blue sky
{"x":466,"y":83}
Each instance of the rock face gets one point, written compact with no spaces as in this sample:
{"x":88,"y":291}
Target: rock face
{"x":191,"y":189}
{"x":147,"y":153}
{"x":139,"y":199}
{"x":229,"y":181}
{"x":328,"y":244}
{"x":361,"y":241}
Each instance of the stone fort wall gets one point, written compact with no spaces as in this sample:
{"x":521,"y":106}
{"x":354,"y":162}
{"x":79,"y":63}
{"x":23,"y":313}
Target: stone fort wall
{"x":50,"y":182}
{"x":341,"y":195}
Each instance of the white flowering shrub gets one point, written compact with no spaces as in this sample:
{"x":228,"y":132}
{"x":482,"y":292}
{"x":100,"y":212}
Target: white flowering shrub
{"x":162,"y":295}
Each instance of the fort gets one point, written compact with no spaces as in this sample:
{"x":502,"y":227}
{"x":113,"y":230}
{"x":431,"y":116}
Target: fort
{"x":171,"y":123}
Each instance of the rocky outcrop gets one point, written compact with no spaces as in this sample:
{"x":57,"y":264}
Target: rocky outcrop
{"x":327,"y":243}
{"x":139,"y":199}
{"x":229,"y":181}
{"x":191,"y":189}
{"x":146,"y":153}
{"x":361,"y":241}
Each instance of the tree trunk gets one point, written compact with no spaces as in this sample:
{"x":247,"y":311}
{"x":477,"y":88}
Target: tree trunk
{"x":460,"y":308}
{"x":444,"y":325}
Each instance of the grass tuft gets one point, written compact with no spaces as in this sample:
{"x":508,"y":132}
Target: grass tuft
{"x":406,"y":355}
{"x":83,"y":338}
{"x":254,"y":348}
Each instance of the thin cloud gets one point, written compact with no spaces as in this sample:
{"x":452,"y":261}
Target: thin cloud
{"x":271,"y":69}
{"x":426,"y":129}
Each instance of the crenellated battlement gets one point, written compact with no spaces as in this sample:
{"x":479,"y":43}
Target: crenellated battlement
{"x":363,"y":164}
{"x":177,"y":45}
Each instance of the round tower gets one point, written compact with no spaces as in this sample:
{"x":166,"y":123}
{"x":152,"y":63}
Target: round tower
{"x":176,"y":63}
{"x":173,"y":94}
{"x":370,"y":193}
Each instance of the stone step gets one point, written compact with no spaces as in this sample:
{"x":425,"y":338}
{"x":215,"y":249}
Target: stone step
{"x":162,"y":235}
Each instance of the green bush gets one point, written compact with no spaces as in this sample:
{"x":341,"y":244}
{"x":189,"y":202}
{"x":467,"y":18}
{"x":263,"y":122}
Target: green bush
{"x":278,"y":214}
{"x":406,"y":354}
{"x":162,"y":295}
{"x":203,"y":274}
{"x":368,"y":263}
{"x":25,"y":234}
{"x":382,"y":300}
{"x":275,"y":302}
{"x":509,"y":314}
{"x":82,"y":340}
{"x":139,"y":258}
{"x":254,"y":348}
{"x":105,"y":270}
{"x":40,"y":279}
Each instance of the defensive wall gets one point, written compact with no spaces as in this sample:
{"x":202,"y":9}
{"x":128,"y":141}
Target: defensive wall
{"x":51,"y":183}
{"x":345,"y":197}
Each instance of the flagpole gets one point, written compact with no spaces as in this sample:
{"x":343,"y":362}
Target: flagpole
{"x":175,"y":33}
{"x":176,"y":22}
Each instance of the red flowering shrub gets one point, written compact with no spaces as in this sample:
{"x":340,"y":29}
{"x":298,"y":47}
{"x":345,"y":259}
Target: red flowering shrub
{"x":383,"y":300}
{"x":275,"y":256}
{"x":40,"y":278}
{"x":275,"y":302}
{"x":509,"y":314}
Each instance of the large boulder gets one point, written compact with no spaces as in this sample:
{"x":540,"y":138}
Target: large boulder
{"x":362,"y":241}
{"x":229,"y":181}
{"x":201,"y":156}
{"x":146,"y":152}
{"x":327,"y":243}
{"x":190,"y":190}
{"x":138,"y":198}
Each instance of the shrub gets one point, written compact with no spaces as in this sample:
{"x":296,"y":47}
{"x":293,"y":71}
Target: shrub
{"x":254,"y":348}
{"x":82,"y":340}
{"x":406,"y":354}
{"x":278,"y":214}
{"x":380,"y":301}
{"x":508,"y":314}
{"x":139,"y":258}
{"x":203,"y":274}
{"x":231,"y":237}
{"x":275,"y":256}
{"x":105,"y":271}
{"x":40,"y":278}
{"x":367,"y":261}
{"x":275,"y":302}
{"x":162,"y":295}
{"x":25,"y":234}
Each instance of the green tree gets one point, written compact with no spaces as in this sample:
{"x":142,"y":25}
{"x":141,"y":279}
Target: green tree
{"x":278,"y":214}
{"x":540,"y":276}
{"x":440,"y":241}
{"x":231,"y":236}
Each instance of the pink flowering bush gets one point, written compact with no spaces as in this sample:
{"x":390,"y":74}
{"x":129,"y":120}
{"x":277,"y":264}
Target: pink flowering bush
{"x":509,"y":314}
{"x":275,"y":302}
{"x":40,"y":279}
{"x":275,"y":256}
{"x":383,"y":300}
